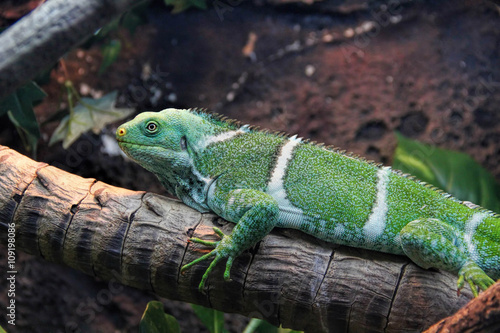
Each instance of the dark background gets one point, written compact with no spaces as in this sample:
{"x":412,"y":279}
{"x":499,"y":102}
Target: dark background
{"x":431,"y":72}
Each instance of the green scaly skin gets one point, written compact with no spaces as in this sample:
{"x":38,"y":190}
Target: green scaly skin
{"x":261,"y":180}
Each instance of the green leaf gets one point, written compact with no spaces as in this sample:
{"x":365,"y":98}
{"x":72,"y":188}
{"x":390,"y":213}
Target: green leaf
{"x":110,"y":52}
{"x":182,"y":5}
{"x":212,"y":319}
{"x":19,"y":108}
{"x":103,"y":32}
{"x":134,"y":18}
{"x":253,"y":325}
{"x":130,"y":20}
{"x":454,"y":172}
{"x":155,"y":320}
{"x":262,"y":326}
{"x":200,"y":4}
{"x":89,"y":114}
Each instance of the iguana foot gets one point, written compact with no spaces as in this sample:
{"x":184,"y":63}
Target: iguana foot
{"x":222,"y":249}
{"x":475,"y":277}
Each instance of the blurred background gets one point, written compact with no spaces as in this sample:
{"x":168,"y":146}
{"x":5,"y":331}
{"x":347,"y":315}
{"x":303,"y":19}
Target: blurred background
{"x":346,"y":73}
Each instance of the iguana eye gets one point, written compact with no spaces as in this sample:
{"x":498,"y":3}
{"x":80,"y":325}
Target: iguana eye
{"x":151,"y":127}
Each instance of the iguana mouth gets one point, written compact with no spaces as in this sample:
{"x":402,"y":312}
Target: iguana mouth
{"x":128,"y":143}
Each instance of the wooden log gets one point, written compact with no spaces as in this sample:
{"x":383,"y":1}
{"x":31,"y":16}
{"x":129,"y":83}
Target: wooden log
{"x":141,"y":240}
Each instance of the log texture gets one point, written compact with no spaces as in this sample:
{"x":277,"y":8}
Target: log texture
{"x":140,"y":239}
{"x":40,"y":38}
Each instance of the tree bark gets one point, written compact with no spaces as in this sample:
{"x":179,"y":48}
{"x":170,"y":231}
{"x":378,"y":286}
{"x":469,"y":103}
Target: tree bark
{"x":40,"y":38}
{"x":140,"y":239}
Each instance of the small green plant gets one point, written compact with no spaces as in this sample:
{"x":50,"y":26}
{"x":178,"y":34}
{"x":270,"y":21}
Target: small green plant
{"x":156,"y":320}
{"x":19,"y":108}
{"x":87,"y":114}
{"x":84,"y":113}
{"x":182,"y":5}
{"x":111,"y":38}
{"x":454,"y":172}
{"x":212,"y":319}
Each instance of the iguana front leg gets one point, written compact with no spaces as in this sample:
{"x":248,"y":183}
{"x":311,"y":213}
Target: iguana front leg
{"x":255,"y":214}
{"x":433,"y":243}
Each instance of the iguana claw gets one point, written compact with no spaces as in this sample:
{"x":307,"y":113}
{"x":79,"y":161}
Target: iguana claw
{"x":208,"y":243}
{"x":475,"y":277}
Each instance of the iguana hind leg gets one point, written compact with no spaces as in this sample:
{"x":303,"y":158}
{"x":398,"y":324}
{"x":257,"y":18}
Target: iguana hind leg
{"x":433,"y":243}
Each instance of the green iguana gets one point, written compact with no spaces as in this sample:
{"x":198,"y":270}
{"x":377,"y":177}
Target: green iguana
{"x":261,"y":180}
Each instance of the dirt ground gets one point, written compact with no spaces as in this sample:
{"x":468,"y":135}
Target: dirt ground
{"x":345,"y":73}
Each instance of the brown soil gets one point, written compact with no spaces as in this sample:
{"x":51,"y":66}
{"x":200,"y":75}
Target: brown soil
{"x":430,"y":72}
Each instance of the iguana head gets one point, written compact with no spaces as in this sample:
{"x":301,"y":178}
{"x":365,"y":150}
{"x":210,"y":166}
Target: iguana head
{"x":159,"y":141}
